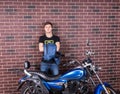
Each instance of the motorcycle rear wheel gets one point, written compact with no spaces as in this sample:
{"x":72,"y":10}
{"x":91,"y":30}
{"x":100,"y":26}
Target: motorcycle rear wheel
{"x":31,"y":90}
{"x":109,"y":89}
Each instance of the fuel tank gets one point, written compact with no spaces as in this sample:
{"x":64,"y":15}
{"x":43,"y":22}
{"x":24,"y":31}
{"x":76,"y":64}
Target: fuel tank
{"x":74,"y":74}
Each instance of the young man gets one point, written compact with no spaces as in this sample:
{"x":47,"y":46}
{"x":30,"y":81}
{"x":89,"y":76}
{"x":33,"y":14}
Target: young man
{"x":49,"y":38}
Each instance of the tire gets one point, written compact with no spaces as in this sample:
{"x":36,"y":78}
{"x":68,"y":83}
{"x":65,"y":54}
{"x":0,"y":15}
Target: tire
{"x":58,"y":92}
{"x":109,"y":89}
{"x":31,"y":89}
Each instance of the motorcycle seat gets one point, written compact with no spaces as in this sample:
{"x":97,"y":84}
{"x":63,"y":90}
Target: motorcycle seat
{"x":45,"y":77}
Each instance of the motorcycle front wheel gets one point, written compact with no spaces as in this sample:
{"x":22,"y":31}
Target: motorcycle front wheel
{"x":109,"y":89}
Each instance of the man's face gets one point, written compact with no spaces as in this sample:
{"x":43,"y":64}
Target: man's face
{"x":48,"y":28}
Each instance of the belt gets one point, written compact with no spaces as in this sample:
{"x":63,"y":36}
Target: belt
{"x":51,"y":61}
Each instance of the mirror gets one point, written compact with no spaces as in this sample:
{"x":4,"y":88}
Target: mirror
{"x":26,"y":64}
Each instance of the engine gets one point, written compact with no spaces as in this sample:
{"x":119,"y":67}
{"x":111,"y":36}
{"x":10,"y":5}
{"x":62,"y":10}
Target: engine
{"x":78,"y":87}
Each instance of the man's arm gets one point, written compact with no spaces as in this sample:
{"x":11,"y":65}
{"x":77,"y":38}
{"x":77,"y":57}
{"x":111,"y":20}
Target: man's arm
{"x":41,"y":48}
{"x":58,"y":46}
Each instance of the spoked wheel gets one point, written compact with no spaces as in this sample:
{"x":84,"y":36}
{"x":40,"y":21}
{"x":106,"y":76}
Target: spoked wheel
{"x":31,"y":89}
{"x":109,"y":89}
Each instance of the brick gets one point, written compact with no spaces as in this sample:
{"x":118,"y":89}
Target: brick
{"x":10,"y":10}
{"x":10,"y":51}
{"x":71,"y":17}
{"x":28,"y":17}
{"x":112,"y":78}
{"x":71,"y":35}
{"x":32,"y":27}
{"x":112,"y":17}
{"x":32,"y":46}
{"x":54,"y":10}
{"x":55,"y":30}
{"x":113,"y":62}
{"x":74,"y":26}
{"x":96,"y":30}
{"x":10,"y":38}
{"x":110,"y":35}
{"x":75,"y":7}
{"x":110,"y":70}
{"x":31,"y":6}
{"x":108,"y":1}
{"x":115,"y":7}
{"x":74,"y":45}
{"x":114,"y":25}
{"x":29,"y":56}
{"x":27,"y":37}
{"x":96,"y":10}
{"x":114,"y":44}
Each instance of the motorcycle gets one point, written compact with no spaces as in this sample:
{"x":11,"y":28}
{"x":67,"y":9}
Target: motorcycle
{"x":74,"y":81}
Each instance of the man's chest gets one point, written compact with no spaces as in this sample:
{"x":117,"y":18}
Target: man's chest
{"x":49,"y":41}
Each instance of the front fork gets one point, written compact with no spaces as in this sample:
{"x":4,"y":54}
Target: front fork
{"x":99,"y":81}
{"x":102,"y":84}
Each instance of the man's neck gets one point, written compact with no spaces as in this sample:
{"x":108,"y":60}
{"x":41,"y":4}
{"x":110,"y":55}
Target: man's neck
{"x":49,"y":35}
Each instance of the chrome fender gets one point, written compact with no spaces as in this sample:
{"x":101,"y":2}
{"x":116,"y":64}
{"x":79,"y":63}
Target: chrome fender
{"x":99,"y":88}
{"x":25,"y":79}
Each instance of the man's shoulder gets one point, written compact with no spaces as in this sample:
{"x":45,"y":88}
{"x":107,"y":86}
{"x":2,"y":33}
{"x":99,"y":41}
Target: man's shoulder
{"x":55,"y":36}
{"x":43,"y":36}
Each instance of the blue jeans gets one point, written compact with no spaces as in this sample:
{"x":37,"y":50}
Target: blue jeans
{"x":46,"y":67}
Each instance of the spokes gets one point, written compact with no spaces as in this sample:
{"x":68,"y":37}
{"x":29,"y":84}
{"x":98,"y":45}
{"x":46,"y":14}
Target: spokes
{"x":32,"y":90}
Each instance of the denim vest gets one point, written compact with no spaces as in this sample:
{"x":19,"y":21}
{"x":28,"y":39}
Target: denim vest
{"x":49,"y":55}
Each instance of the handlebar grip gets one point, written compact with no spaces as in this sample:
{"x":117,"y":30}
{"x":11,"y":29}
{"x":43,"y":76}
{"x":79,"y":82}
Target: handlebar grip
{"x":98,"y":68}
{"x":58,"y":54}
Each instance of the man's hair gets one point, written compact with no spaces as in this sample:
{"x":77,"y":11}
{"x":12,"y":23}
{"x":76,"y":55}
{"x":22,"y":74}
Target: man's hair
{"x":46,"y":23}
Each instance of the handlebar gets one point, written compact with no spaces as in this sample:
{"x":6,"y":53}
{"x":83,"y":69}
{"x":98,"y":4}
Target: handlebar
{"x":72,"y":62}
{"x":89,"y":53}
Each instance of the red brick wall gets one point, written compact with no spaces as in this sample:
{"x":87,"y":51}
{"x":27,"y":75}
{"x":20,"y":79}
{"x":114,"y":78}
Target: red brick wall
{"x":75,"y":21}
